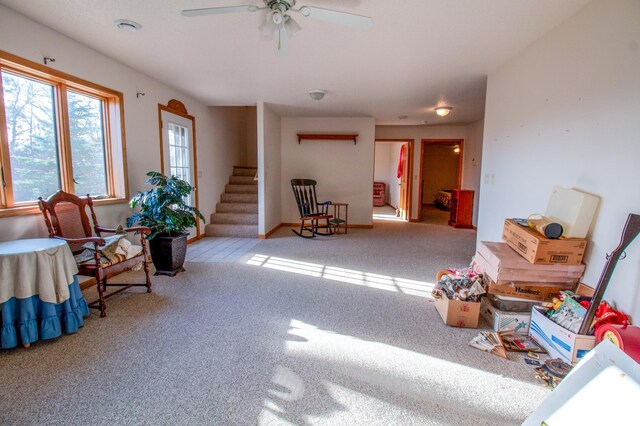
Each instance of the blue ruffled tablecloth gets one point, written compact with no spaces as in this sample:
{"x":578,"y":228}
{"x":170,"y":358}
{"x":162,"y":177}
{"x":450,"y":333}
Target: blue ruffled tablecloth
{"x":25,"y":321}
{"x":39,"y":293}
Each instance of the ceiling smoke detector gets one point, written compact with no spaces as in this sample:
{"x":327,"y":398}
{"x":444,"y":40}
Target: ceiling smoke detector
{"x":317,"y":94}
{"x":127,"y":25}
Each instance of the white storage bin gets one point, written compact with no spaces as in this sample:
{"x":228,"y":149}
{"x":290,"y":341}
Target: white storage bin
{"x":573,"y":210}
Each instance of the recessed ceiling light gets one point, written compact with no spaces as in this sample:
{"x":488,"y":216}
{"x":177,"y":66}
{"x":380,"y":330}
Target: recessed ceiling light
{"x":127,"y":25}
{"x":443,"y":110}
{"x":403,"y":117}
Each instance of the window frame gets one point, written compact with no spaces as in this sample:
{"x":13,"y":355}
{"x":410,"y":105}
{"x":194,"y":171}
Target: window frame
{"x":113,"y":133}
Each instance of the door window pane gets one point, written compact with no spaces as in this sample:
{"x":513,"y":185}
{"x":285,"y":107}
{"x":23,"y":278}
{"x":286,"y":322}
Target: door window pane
{"x":179,"y":163}
{"x":87,"y":144}
{"x":31,"y":129}
{"x":179,"y":152}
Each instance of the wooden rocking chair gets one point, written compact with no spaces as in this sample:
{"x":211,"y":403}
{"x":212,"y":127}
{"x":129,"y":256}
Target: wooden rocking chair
{"x":65,"y":216}
{"x":311,"y":211}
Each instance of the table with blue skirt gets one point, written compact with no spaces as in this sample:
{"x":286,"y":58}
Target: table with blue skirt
{"x":40,"y":297}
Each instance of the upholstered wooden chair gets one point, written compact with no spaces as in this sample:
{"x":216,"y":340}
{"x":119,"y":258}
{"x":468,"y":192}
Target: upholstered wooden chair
{"x":311,"y":211}
{"x":66,"y":218}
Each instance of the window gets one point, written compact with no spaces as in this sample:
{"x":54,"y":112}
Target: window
{"x":57,"y":132}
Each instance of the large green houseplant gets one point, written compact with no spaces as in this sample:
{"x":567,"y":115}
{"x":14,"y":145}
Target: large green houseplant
{"x":164,"y":211}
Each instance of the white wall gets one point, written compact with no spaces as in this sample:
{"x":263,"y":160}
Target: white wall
{"x":382,"y":158}
{"x":386,"y":170}
{"x":251,"y":137}
{"x":344,"y":171}
{"x":381,"y":166}
{"x":566,"y":112}
{"x":393,"y":188}
{"x":269,"y":169}
{"x":30,"y":40}
{"x":472,"y":148}
{"x":472,"y":162}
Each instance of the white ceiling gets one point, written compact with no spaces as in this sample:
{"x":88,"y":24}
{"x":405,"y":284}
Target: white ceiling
{"x":418,"y":54}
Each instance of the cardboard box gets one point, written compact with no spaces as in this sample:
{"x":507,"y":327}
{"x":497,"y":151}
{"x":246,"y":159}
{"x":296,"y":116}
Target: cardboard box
{"x":557,"y":340}
{"x":541,"y":292}
{"x":538,"y":249}
{"x":457,"y":313}
{"x":502,"y":320}
{"x":502,"y":264}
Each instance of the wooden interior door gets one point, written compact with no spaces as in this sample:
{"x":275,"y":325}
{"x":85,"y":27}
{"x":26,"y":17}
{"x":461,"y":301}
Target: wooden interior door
{"x":404,"y":183}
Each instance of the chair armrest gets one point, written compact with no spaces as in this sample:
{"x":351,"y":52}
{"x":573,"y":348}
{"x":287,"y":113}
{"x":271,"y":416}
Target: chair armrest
{"x":96,"y":240}
{"x":142,"y":229}
{"x":325,"y":206}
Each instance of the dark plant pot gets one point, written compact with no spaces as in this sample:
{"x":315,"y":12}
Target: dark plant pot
{"x":168,"y":253}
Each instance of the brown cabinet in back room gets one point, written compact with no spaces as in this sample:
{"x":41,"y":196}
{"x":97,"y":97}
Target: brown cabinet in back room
{"x":461,"y":208}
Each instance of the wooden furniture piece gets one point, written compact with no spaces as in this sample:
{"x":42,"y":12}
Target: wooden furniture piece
{"x":379,"y":191}
{"x":311,"y":211}
{"x":337,"y":221}
{"x":325,"y":137}
{"x":65,"y":216}
{"x":39,"y":293}
{"x":461,"y":208}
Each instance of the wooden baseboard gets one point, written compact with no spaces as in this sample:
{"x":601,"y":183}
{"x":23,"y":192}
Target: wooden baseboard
{"x":196,"y":238}
{"x":270,"y":233}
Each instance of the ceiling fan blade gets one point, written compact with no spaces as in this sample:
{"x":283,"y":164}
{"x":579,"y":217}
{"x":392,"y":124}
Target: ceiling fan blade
{"x":219,"y":10}
{"x":336,"y":17}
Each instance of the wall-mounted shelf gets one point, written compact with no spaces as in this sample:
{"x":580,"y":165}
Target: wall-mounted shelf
{"x":325,"y":137}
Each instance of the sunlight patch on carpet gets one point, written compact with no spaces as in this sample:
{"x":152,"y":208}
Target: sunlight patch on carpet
{"x":405,"y":377}
{"x":349,"y":276}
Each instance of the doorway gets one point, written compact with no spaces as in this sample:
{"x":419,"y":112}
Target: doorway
{"x":440,"y":172}
{"x":178,"y":152}
{"x":393,"y":168}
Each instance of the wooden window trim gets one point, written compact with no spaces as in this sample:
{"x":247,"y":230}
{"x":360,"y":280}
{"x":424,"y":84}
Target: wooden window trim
{"x":113,"y":128}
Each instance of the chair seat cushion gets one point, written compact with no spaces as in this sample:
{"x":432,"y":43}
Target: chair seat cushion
{"x":116,"y":250}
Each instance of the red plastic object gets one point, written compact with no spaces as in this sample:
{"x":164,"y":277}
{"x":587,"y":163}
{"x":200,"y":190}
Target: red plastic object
{"x":626,"y":338}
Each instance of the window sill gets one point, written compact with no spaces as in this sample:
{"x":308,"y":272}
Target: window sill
{"x":32,"y":209}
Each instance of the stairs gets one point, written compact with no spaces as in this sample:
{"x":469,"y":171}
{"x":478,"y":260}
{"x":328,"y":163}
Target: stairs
{"x":237,"y":212}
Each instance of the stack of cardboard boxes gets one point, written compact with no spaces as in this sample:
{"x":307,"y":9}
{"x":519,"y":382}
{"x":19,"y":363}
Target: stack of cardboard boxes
{"x":528,"y":267}
{"x":511,"y":278}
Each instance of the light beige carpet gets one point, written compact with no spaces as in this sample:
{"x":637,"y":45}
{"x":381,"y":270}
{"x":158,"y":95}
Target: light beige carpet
{"x":337,"y":330}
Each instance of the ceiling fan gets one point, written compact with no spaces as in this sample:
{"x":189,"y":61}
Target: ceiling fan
{"x":279,"y":24}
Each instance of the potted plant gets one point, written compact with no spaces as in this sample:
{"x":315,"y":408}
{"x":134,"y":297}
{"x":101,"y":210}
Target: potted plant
{"x":164,"y":211}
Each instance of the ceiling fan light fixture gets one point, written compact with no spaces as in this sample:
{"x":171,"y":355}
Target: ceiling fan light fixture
{"x":317,"y":94}
{"x":291,"y":26}
{"x":277,"y":17}
{"x":443,"y":110}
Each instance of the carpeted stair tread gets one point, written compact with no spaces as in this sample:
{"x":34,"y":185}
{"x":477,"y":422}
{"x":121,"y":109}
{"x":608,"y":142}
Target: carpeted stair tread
{"x":240,"y":189}
{"x":242,"y":180}
{"x":244,"y":171}
{"x":239,"y":198}
{"x":234,"y":218}
{"x":237,"y":208}
{"x":227,"y":230}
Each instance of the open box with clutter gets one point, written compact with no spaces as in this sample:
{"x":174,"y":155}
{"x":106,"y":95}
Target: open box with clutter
{"x":528,"y":289}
